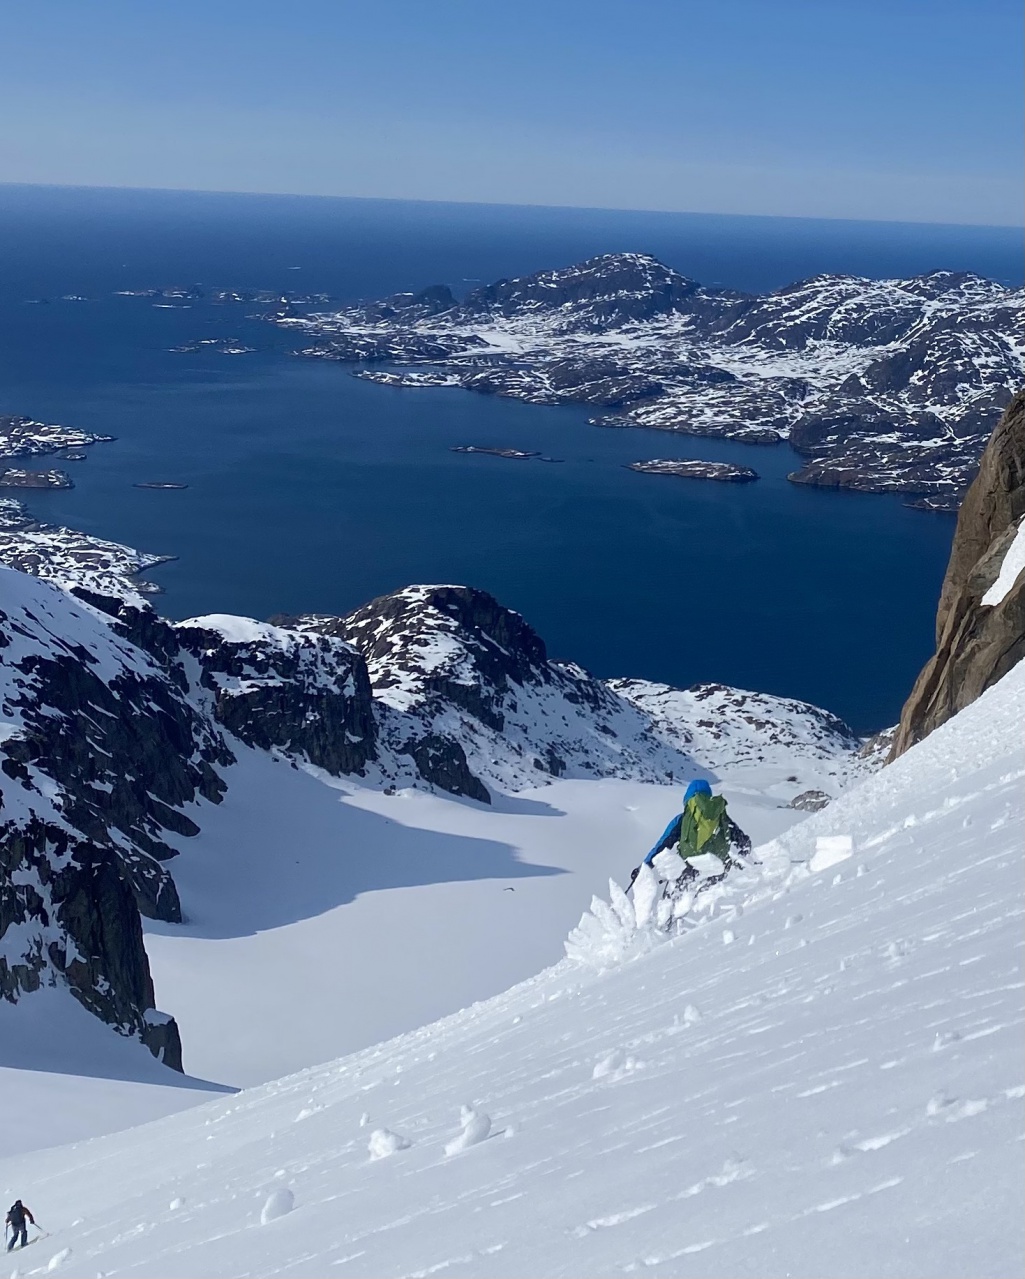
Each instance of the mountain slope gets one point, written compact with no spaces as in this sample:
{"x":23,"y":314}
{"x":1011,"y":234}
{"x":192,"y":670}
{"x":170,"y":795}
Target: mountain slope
{"x":827,"y":1082}
{"x":121,"y":732}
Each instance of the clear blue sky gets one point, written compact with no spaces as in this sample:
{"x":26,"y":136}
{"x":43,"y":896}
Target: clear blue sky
{"x":888,"y":109}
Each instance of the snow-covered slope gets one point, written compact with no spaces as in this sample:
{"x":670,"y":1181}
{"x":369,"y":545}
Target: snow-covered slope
{"x":355,"y":915}
{"x":119,"y":727}
{"x":824,"y":1080}
{"x":65,"y":1077}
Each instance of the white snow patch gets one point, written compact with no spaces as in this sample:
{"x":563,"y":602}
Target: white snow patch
{"x":1010,"y":569}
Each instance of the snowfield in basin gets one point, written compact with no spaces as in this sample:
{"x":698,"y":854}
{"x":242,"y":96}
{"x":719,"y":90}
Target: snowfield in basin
{"x":824,"y":1078}
{"x":323,"y":915}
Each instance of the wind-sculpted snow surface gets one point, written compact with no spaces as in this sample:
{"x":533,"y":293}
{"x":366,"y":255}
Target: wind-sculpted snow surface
{"x":880,"y":385}
{"x":829,"y":1083}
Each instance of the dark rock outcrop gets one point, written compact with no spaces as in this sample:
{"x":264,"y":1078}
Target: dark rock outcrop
{"x":126,"y":746}
{"x":441,"y":762}
{"x":810,"y":801}
{"x":976,"y":642}
{"x":304,"y":693}
{"x":101,"y":750}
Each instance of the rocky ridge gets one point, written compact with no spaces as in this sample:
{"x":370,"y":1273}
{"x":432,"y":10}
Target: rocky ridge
{"x":101,"y":752}
{"x":980,"y":623}
{"x":465,"y":689}
{"x":879,"y":385}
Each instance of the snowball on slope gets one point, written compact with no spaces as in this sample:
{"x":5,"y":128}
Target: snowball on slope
{"x":279,"y":1203}
{"x":383,"y":1142}
{"x":476,"y":1128}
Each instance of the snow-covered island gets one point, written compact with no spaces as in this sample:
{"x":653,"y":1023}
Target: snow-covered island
{"x":25,"y":437}
{"x":519,"y":455}
{"x":696,"y":470}
{"x":16,"y":477}
{"x":878,"y":385}
{"x":222,"y":346}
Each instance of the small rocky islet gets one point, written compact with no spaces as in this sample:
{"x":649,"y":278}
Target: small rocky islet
{"x":16,"y":477}
{"x":520,"y":455}
{"x":690,"y":469}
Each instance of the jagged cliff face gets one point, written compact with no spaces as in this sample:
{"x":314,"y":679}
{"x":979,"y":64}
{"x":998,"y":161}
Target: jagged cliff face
{"x":101,"y":750}
{"x":113,"y":722}
{"x":304,"y":694}
{"x":980,"y":624}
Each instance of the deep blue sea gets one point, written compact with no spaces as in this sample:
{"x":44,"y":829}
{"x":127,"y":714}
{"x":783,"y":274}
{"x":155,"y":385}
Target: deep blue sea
{"x":311,"y":490}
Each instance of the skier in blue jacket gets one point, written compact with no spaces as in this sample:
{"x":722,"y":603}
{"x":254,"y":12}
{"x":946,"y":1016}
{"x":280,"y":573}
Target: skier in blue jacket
{"x":703,"y":826}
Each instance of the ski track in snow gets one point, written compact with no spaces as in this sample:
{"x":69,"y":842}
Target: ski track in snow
{"x":847,"y":1102}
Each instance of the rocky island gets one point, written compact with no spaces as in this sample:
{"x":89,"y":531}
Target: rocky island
{"x":25,"y":437}
{"x":694,"y":470}
{"x":223,"y":346}
{"x":17,"y":478}
{"x":878,"y":385}
{"x":518,"y":454}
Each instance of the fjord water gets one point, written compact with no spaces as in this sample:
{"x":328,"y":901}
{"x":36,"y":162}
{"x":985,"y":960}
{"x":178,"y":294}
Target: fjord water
{"x":310,"y":490}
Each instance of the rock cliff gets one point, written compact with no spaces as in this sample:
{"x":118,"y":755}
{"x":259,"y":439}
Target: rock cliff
{"x":100,"y":750}
{"x":305,"y":694}
{"x":980,"y":624}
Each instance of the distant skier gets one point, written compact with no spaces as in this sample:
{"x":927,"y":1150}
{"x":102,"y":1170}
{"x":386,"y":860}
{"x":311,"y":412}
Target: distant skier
{"x":702,"y":827}
{"x":16,"y":1218}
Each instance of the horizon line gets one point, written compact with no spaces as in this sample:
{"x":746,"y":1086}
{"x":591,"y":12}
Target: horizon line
{"x":506,"y":204}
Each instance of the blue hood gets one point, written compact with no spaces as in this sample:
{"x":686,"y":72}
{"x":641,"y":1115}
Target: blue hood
{"x":698,"y":787}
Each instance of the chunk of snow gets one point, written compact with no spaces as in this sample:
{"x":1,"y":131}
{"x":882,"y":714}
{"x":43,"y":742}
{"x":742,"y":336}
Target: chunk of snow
{"x":830,"y":850}
{"x":706,"y":864}
{"x":58,"y":1259}
{"x":610,"y":1062}
{"x":476,"y":1127}
{"x":669,"y":865}
{"x":279,"y":1203}
{"x":646,"y":894}
{"x":383,"y":1142}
